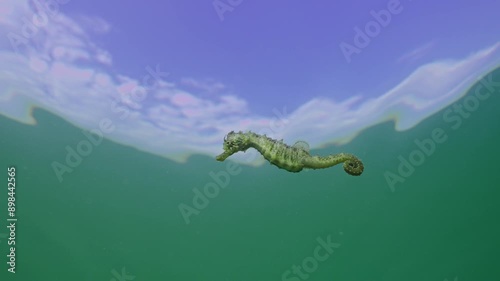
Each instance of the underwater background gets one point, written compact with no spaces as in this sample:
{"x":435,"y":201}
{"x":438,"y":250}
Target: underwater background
{"x":119,"y":210}
{"x":105,"y":198}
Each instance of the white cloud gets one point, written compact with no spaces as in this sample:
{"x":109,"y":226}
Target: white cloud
{"x":207,"y":85}
{"x":416,"y":53}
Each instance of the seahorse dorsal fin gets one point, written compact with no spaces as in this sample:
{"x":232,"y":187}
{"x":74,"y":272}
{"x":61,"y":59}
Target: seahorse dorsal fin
{"x":302,"y":145}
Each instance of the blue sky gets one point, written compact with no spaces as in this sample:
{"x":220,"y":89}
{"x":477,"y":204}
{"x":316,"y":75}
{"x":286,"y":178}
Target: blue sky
{"x":285,"y":52}
{"x":88,"y":58}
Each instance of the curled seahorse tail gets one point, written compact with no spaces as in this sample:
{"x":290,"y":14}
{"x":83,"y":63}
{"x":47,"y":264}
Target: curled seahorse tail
{"x":352,"y":165}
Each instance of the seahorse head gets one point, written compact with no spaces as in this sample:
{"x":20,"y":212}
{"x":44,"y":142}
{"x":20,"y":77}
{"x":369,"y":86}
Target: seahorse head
{"x":234,"y":142}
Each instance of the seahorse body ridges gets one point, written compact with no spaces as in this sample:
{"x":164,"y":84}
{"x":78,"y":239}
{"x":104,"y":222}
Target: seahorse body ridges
{"x":291,"y":158}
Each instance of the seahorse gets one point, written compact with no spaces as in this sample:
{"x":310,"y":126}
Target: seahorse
{"x":293,"y":158}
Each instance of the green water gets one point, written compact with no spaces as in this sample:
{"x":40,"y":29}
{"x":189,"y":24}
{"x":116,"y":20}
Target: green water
{"x":119,"y":210}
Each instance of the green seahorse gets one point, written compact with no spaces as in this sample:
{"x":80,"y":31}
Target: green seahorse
{"x":291,"y":158}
